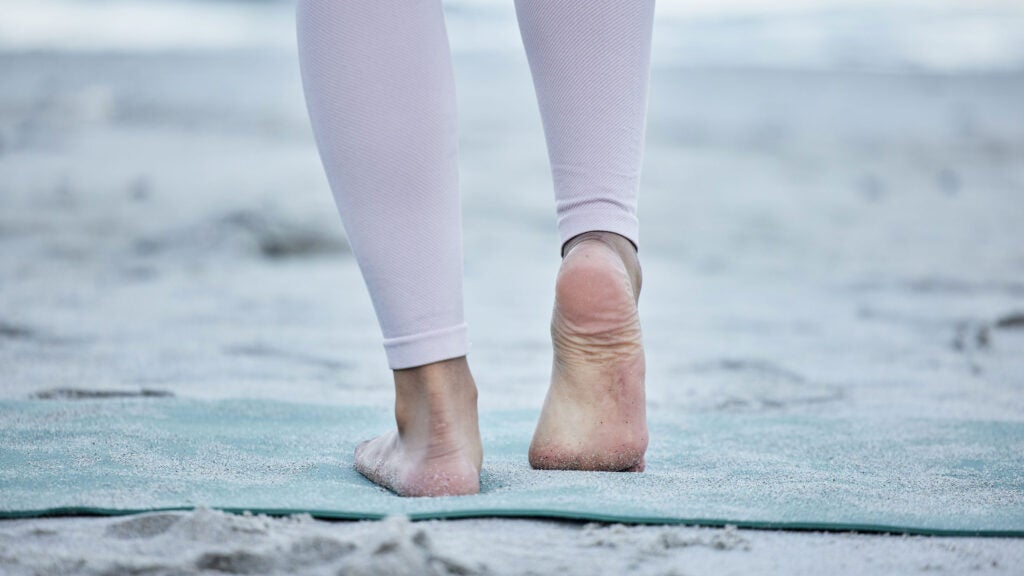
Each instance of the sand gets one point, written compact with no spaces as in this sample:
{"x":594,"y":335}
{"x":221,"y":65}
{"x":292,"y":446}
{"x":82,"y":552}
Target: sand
{"x":210,"y":542}
{"x":830,"y":226}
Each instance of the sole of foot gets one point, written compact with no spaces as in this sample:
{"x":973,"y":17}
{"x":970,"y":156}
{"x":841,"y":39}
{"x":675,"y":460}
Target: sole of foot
{"x":436,"y":449}
{"x":594,"y":415}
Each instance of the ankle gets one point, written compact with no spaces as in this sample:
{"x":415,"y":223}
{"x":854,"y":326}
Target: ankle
{"x":434,"y":398}
{"x":439,"y":381}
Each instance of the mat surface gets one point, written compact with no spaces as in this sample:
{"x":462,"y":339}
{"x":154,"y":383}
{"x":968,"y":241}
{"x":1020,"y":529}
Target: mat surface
{"x":135,"y":455}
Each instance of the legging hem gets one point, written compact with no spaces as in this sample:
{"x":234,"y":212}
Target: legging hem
{"x":426,"y":347}
{"x":577,"y":223}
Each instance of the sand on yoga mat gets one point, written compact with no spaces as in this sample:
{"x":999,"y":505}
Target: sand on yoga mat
{"x":922,"y":476}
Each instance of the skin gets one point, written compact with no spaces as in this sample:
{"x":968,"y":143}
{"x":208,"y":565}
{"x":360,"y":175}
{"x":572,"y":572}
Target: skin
{"x":435,"y":451}
{"x":594,"y":415}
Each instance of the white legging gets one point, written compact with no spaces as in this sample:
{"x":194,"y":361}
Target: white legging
{"x":381,"y":96}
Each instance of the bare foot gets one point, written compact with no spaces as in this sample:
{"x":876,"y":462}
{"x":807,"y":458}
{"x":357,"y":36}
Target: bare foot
{"x":436,"y":449}
{"x":594,"y":416}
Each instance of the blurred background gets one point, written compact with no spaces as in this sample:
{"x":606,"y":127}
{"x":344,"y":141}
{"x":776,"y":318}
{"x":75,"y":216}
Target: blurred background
{"x":831,"y":209}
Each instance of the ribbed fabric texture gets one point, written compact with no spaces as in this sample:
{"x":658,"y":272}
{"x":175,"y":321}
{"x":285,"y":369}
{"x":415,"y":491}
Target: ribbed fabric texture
{"x":590,"y":61}
{"x":381,"y":97}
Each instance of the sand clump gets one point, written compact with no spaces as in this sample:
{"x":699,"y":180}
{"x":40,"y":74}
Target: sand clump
{"x":206,"y":541}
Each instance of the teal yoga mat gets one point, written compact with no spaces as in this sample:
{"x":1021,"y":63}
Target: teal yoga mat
{"x":125,"y":456}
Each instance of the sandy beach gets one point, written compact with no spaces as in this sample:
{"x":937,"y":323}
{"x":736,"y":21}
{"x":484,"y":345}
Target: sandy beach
{"x":830,"y":215}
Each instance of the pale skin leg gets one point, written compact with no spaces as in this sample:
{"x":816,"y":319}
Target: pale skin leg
{"x":594,"y":416}
{"x":435,"y":451}
{"x":380,"y":90}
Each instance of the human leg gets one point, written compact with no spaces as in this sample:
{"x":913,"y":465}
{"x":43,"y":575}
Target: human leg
{"x":435,"y":450}
{"x":590,"y":62}
{"x":381,"y":99}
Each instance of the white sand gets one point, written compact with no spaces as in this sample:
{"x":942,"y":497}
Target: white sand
{"x":210,"y":542}
{"x":831,"y":225}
